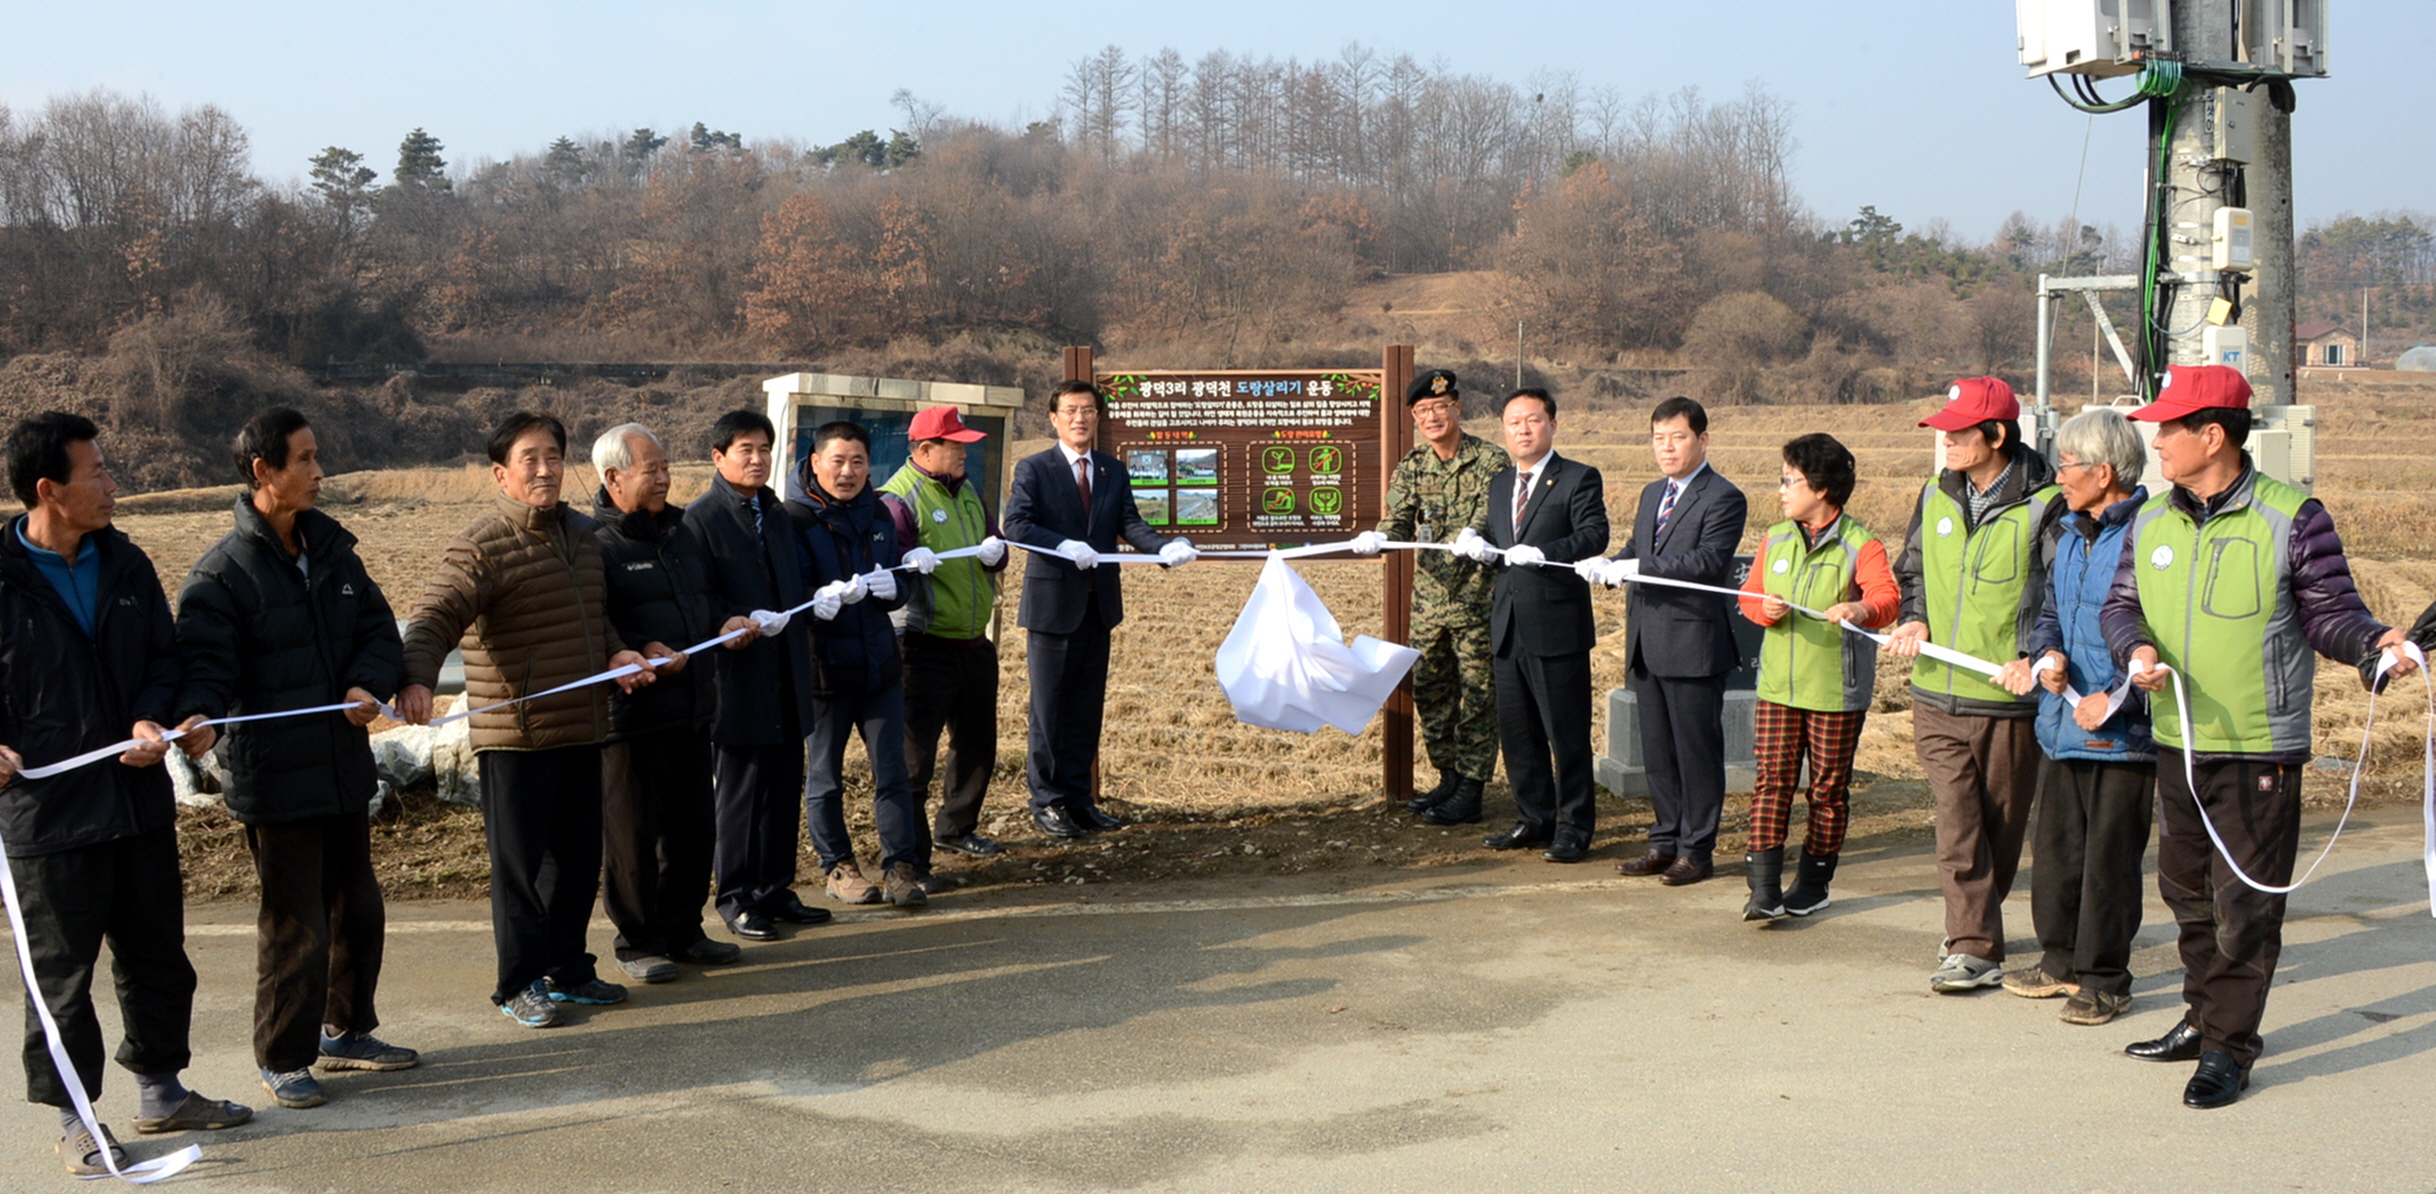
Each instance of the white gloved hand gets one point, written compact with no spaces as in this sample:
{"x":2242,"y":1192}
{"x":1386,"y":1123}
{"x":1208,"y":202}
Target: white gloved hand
{"x":1523,"y":554}
{"x":993,"y":549}
{"x":1593,"y":570}
{"x":770,"y":621}
{"x":1368,"y":543}
{"x":1079,"y":552}
{"x":923,"y":560}
{"x":1618,"y":571}
{"x":1178,"y":551}
{"x":828,"y":600}
{"x":882,"y":583}
{"x":1468,"y":544}
{"x":852,"y":590}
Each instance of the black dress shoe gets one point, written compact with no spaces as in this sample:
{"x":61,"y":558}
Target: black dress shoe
{"x":2219,"y":1081}
{"x":795,"y":912}
{"x":1055,"y":821}
{"x":1687,"y":870}
{"x":1093,"y":819}
{"x":1653,"y":863}
{"x":1522,"y":837}
{"x":2182,"y":1044}
{"x":1570,"y":845}
{"x":753,"y":926}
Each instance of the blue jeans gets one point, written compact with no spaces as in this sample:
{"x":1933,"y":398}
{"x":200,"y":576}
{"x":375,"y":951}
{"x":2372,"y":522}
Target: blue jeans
{"x":880,"y":719}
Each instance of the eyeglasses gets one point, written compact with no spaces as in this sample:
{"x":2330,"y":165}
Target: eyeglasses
{"x":1076,"y":412}
{"x":1437,"y":407}
{"x":1791,"y":481}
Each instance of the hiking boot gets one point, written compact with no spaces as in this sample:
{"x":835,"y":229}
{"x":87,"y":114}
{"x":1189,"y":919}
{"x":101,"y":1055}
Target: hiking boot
{"x":2036,"y":983}
{"x":364,"y":1051}
{"x":904,"y":886}
{"x":1962,"y":972}
{"x":532,"y":1007}
{"x":1421,"y":801}
{"x":1809,"y":892}
{"x":2094,"y":1007}
{"x":591,"y":992}
{"x":1461,"y":807}
{"x":848,"y":886}
{"x":706,"y":952}
{"x":1765,"y":870}
{"x":648,"y":969}
{"x":295,"y":1090}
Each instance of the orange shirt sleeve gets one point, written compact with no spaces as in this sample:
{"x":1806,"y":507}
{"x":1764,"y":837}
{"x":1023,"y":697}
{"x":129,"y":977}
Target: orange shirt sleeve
{"x":1877,"y":583}
{"x":1756,"y":582}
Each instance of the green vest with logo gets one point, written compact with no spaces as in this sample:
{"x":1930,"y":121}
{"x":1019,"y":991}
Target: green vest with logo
{"x":957,"y":599}
{"x":1805,"y":663}
{"x":1971,"y":582}
{"x":2219,"y":608}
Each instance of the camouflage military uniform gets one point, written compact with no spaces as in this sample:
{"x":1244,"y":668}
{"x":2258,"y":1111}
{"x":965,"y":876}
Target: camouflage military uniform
{"x":1428,"y":501}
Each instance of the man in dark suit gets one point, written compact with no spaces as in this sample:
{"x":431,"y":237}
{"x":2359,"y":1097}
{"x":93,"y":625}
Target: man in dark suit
{"x":1678,"y":643}
{"x":1543,"y":511}
{"x":1076,"y":502}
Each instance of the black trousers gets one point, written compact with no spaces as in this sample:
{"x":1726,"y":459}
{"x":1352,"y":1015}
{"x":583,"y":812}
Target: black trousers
{"x":129,"y":893}
{"x":2089,"y":833}
{"x":1069,"y":693}
{"x":657,"y":829}
{"x":541,"y":810}
{"x":1683,"y":758}
{"x":1543,"y":714}
{"x":2230,"y":932}
{"x":759,"y":795}
{"x":319,"y":935}
{"x":951,"y":686}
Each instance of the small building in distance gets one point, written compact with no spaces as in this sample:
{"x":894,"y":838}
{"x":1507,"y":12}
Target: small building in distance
{"x":2324,"y":346}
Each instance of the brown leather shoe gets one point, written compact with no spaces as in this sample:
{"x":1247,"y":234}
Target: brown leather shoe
{"x":1652,"y":863}
{"x":1687,"y":870}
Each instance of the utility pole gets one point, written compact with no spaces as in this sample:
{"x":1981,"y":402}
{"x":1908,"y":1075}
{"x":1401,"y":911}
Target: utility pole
{"x":2267,"y":313}
{"x":2197,"y":183}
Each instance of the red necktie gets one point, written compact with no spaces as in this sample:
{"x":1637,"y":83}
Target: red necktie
{"x":1082,"y":481}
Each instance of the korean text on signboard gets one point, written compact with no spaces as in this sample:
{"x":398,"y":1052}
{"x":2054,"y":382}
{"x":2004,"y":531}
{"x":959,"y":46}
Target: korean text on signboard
{"x":1250,"y":458}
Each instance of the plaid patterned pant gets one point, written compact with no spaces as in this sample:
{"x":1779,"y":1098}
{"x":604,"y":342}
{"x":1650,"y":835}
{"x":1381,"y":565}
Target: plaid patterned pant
{"x":1780,"y":735}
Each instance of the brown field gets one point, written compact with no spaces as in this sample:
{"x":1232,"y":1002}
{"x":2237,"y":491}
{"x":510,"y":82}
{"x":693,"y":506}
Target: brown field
{"x":1217,"y":798}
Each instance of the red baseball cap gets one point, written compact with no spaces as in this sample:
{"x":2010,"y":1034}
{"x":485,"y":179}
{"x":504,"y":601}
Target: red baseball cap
{"x":1972,"y":401}
{"x":2187,"y":388}
{"x":940,"y":422}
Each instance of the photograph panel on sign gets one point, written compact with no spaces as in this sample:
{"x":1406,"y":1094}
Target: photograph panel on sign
{"x":1196,"y":466}
{"x":1197,"y":508}
{"x":1147,"y":466}
{"x":1154,"y":505}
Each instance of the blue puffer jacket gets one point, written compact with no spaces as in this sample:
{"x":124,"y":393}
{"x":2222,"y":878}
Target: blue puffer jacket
{"x":2078,"y":578}
{"x":856,"y":655}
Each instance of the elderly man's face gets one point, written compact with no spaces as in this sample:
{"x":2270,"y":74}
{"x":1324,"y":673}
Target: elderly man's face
{"x":643,"y":483}
{"x":535,"y":465}
{"x":2183,"y":451}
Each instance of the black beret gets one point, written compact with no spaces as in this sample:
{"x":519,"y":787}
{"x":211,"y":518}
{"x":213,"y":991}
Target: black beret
{"x":1437,"y":383}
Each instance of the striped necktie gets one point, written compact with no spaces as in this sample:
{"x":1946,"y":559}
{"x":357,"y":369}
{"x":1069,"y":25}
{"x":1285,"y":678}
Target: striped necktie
{"x":1666,"y":506}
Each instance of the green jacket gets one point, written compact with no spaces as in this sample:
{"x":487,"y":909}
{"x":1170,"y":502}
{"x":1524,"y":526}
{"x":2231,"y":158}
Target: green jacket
{"x":1979,"y":587}
{"x":1805,"y":663}
{"x":1428,"y":501}
{"x":2218,"y":600}
{"x":956,"y":600}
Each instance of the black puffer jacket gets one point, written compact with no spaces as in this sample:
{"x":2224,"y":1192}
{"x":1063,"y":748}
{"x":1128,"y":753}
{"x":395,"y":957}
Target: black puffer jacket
{"x":260,"y":635}
{"x":659,"y":592}
{"x":856,"y":654}
{"x":750,"y":572}
{"x":62,"y":694}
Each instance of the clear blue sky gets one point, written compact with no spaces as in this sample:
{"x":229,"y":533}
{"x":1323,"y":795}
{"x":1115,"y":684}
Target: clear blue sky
{"x":1915,"y":106}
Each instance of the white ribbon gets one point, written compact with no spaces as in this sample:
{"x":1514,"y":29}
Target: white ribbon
{"x":2182,"y":711}
{"x":141,"y":1173}
{"x":2114,"y":697}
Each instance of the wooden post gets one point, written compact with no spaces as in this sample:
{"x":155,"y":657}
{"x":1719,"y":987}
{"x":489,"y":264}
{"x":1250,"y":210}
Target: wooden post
{"x":1395,"y":439}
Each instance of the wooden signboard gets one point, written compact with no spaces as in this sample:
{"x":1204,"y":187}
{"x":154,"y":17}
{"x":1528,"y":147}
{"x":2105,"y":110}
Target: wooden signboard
{"x":1250,"y":459}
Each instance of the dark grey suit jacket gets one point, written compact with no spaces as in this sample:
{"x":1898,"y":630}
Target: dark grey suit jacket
{"x":1546,"y":611}
{"x":1046,"y":508}
{"x":1678,"y":632}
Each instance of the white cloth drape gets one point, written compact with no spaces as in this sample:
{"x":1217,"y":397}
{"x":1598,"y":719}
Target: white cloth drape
{"x":1286,"y":665}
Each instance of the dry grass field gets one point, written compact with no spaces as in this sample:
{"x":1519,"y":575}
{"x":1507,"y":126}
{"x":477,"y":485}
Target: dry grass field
{"x":1217,"y":798}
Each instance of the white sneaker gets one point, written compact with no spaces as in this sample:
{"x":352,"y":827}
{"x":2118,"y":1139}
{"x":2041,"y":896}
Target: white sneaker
{"x":1962,"y":972}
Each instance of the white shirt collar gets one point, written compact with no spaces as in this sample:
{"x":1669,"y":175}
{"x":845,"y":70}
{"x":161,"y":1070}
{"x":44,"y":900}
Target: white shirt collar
{"x":1072,"y":457}
{"x":1686,"y":483}
{"x":1527,"y":476}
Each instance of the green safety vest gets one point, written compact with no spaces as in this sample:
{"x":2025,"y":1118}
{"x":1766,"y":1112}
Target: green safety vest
{"x":957,"y":600}
{"x":1971,"y":582}
{"x":2219,"y":608}
{"x":1805,"y":663}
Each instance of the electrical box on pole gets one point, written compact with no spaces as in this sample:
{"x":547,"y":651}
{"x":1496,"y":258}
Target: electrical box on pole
{"x":2230,"y":247}
{"x":2090,"y":37}
{"x":2233,"y":125}
{"x":2286,"y":37}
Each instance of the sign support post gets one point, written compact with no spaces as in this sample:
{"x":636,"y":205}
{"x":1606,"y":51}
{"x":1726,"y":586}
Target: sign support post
{"x":1396,"y":596}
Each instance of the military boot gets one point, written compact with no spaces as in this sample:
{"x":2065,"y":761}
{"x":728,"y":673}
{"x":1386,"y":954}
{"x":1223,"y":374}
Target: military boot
{"x":1766,"y":870}
{"x":1809,"y":892}
{"x":1421,"y":802}
{"x":1460,"y":808}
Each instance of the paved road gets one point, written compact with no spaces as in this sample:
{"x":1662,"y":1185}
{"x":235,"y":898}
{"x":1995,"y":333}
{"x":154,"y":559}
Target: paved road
{"x":1547,"y":1028}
